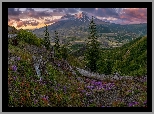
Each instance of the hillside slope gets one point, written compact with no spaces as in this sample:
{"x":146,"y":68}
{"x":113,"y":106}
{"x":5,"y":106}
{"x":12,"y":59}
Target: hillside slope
{"x":130,"y":59}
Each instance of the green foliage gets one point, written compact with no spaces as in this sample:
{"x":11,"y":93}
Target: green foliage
{"x":64,"y":52}
{"x":29,"y":37}
{"x":130,"y":59}
{"x":46,"y":38}
{"x":57,"y":46}
{"x":92,"y":49}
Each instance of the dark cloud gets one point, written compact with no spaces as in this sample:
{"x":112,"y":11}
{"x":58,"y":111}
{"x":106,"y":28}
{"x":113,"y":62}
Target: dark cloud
{"x":89,"y":10}
{"x":59,"y":9}
{"x":65,"y":10}
{"x":37,"y":14}
{"x":30,"y":9}
{"x":13,"y":12}
{"x":106,"y":12}
{"x":72,"y":10}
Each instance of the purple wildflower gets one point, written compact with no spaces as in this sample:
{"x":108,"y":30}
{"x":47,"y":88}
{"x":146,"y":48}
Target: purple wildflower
{"x":83,"y":91}
{"x":104,"y":86}
{"x":18,"y":58}
{"x":58,"y":64}
{"x":90,"y":87}
{"x":14,"y":68}
{"x":35,"y":101}
{"x":15,"y":77}
{"x":40,"y":79}
{"x":92,"y":82}
{"x":132,"y":104}
{"x":56,"y":89}
{"x":108,"y":88}
{"x":47,"y":97}
{"x":64,"y":88}
{"x":145,"y":102}
{"x":95,"y":83}
{"x":88,"y":94}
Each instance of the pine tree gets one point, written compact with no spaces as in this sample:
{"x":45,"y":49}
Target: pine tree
{"x":57,"y":45}
{"x":92,"y":48}
{"x":46,"y":38}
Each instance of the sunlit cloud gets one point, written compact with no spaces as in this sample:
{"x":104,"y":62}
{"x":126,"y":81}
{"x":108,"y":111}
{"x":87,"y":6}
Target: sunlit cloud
{"x":38,"y":17}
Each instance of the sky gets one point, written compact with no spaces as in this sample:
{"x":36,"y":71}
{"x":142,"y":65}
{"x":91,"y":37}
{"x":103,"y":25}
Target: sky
{"x":31,"y":18}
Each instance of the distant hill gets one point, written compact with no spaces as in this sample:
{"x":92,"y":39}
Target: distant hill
{"x":130,"y":59}
{"x":12,"y":30}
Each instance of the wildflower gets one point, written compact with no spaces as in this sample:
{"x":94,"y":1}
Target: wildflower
{"x":90,"y":87}
{"x":83,"y":91}
{"x":58,"y":64}
{"x":40,"y":79}
{"x":64,"y":88}
{"x":145,"y":102}
{"x":15,"y":77}
{"x":88,"y":94}
{"x":135,"y":103}
{"x":132,"y":104}
{"x":45,"y":98}
{"x":93,"y":82}
{"x":104,"y":86}
{"x":35,"y":101}
{"x":18,"y":58}
{"x":14,"y":68}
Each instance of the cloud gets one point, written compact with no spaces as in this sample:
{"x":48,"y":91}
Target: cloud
{"x":15,"y":18}
{"x":72,"y":10}
{"x":13,"y":11}
{"x":89,"y":10}
{"x":40,"y":16}
{"x":48,"y":21}
{"x":26,"y":23}
{"x":106,"y":12}
{"x":134,"y":15}
{"x":36,"y":14}
{"x":30,"y":9}
{"x":35,"y":23}
{"x":59,"y":9}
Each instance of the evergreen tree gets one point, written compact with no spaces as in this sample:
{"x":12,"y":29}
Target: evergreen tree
{"x":46,"y":38}
{"x":92,"y":48}
{"x":57,"y":45}
{"x":64,"y":51}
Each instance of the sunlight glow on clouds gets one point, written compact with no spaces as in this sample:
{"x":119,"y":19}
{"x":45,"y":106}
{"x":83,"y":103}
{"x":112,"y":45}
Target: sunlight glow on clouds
{"x":30,"y":18}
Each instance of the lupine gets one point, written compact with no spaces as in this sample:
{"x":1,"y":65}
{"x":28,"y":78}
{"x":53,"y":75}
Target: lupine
{"x":90,"y":87}
{"x":132,"y":104}
{"x":14,"y":68}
